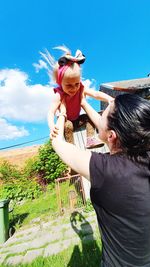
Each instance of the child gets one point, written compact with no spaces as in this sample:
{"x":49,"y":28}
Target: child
{"x":67,"y":74}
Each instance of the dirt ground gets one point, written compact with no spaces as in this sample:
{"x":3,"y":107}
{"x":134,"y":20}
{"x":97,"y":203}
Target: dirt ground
{"x":19,"y":156}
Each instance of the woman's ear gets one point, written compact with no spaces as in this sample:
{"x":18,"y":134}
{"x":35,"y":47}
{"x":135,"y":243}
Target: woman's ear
{"x":111,"y":136}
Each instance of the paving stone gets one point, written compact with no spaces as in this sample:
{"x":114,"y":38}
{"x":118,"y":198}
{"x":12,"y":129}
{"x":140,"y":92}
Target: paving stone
{"x":22,"y":235}
{"x":30,"y":230}
{"x":46,"y":238}
{"x":58,"y":247}
{"x":47,"y":224}
{"x":32,"y":254}
{"x":15,"y":240}
{"x":66,"y":243}
{"x":2,"y":258}
{"x":14,"y":260}
{"x":19,"y":248}
{"x":69,"y":233}
{"x":52,"y":249}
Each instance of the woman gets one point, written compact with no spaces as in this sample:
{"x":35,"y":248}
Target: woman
{"x":120,"y":180}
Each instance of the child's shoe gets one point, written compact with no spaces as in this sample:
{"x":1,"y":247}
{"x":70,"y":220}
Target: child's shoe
{"x":93,"y":142}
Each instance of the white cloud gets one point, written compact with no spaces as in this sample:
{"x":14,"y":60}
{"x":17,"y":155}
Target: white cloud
{"x":43,"y":65}
{"x":90,"y":84}
{"x":9,"y":131}
{"x":40,"y":65}
{"x":21,"y":101}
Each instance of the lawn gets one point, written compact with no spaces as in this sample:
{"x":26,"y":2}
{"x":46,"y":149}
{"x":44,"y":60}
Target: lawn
{"x":25,"y":212}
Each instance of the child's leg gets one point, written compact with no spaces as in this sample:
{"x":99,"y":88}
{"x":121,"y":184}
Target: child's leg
{"x":92,"y":140}
{"x":84,"y":120}
{"x":90,"y":129}
{"x":68,"y":132}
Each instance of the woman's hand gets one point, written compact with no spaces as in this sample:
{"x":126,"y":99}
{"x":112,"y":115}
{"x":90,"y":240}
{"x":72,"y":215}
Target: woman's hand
{"x":54,"y":132}
{"x":58,"y":129}
{"x":110,"y":100}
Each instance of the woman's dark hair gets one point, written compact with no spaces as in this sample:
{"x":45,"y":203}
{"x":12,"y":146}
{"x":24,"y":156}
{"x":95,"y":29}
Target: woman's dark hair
{"x":130,"y":119}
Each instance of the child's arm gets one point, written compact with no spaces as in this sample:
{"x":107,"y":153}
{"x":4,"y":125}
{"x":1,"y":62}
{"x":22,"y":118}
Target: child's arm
{"x":98,"y":95}
{"x":52,"y":111}
{"x":92,"y":114}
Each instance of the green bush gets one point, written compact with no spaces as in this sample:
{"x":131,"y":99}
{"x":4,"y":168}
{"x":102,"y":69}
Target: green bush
{"x":8,"y":172}
{"x":29,"y":169}
{"x":16,"y":184}
{"x":24,"y":189}
{"x":48,"y":164}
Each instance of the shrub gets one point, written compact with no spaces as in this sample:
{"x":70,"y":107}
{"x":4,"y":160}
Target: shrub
{"x":48,"y":164}
{"x":29,"y":169}
{"x":8,"y":172}
{"x":24,"y":189}
{"x":15,"y":183}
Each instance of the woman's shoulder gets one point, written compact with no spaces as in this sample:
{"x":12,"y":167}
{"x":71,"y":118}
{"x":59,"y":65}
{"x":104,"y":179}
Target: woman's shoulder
{"x":107,"y":158}
{"x":115,"y":161}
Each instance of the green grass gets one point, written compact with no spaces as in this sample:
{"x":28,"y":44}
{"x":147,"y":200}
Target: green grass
{"x":45,"y":207}
{"x":85,"y":255}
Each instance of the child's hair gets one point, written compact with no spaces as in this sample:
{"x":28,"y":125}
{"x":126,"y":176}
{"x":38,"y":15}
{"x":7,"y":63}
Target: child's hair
{"x":66,"y":64}
{"x":73,"y":69}
{"x":130,"y":119}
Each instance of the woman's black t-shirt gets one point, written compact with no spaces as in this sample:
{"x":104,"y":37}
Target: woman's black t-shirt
{"x":120,"y":194}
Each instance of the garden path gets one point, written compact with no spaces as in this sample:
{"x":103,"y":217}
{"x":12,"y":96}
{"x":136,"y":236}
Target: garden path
{"x":46,"y":238}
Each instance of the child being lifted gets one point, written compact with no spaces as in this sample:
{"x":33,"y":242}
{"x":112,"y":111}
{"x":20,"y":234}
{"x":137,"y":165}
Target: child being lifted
{"x":67,"y":74}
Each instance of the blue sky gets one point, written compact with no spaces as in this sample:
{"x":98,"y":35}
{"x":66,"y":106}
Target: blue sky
{"x":114,"y":35}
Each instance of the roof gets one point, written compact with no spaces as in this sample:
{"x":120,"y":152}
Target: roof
{"x":139,"y":86}
{"x":128,"y":85}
